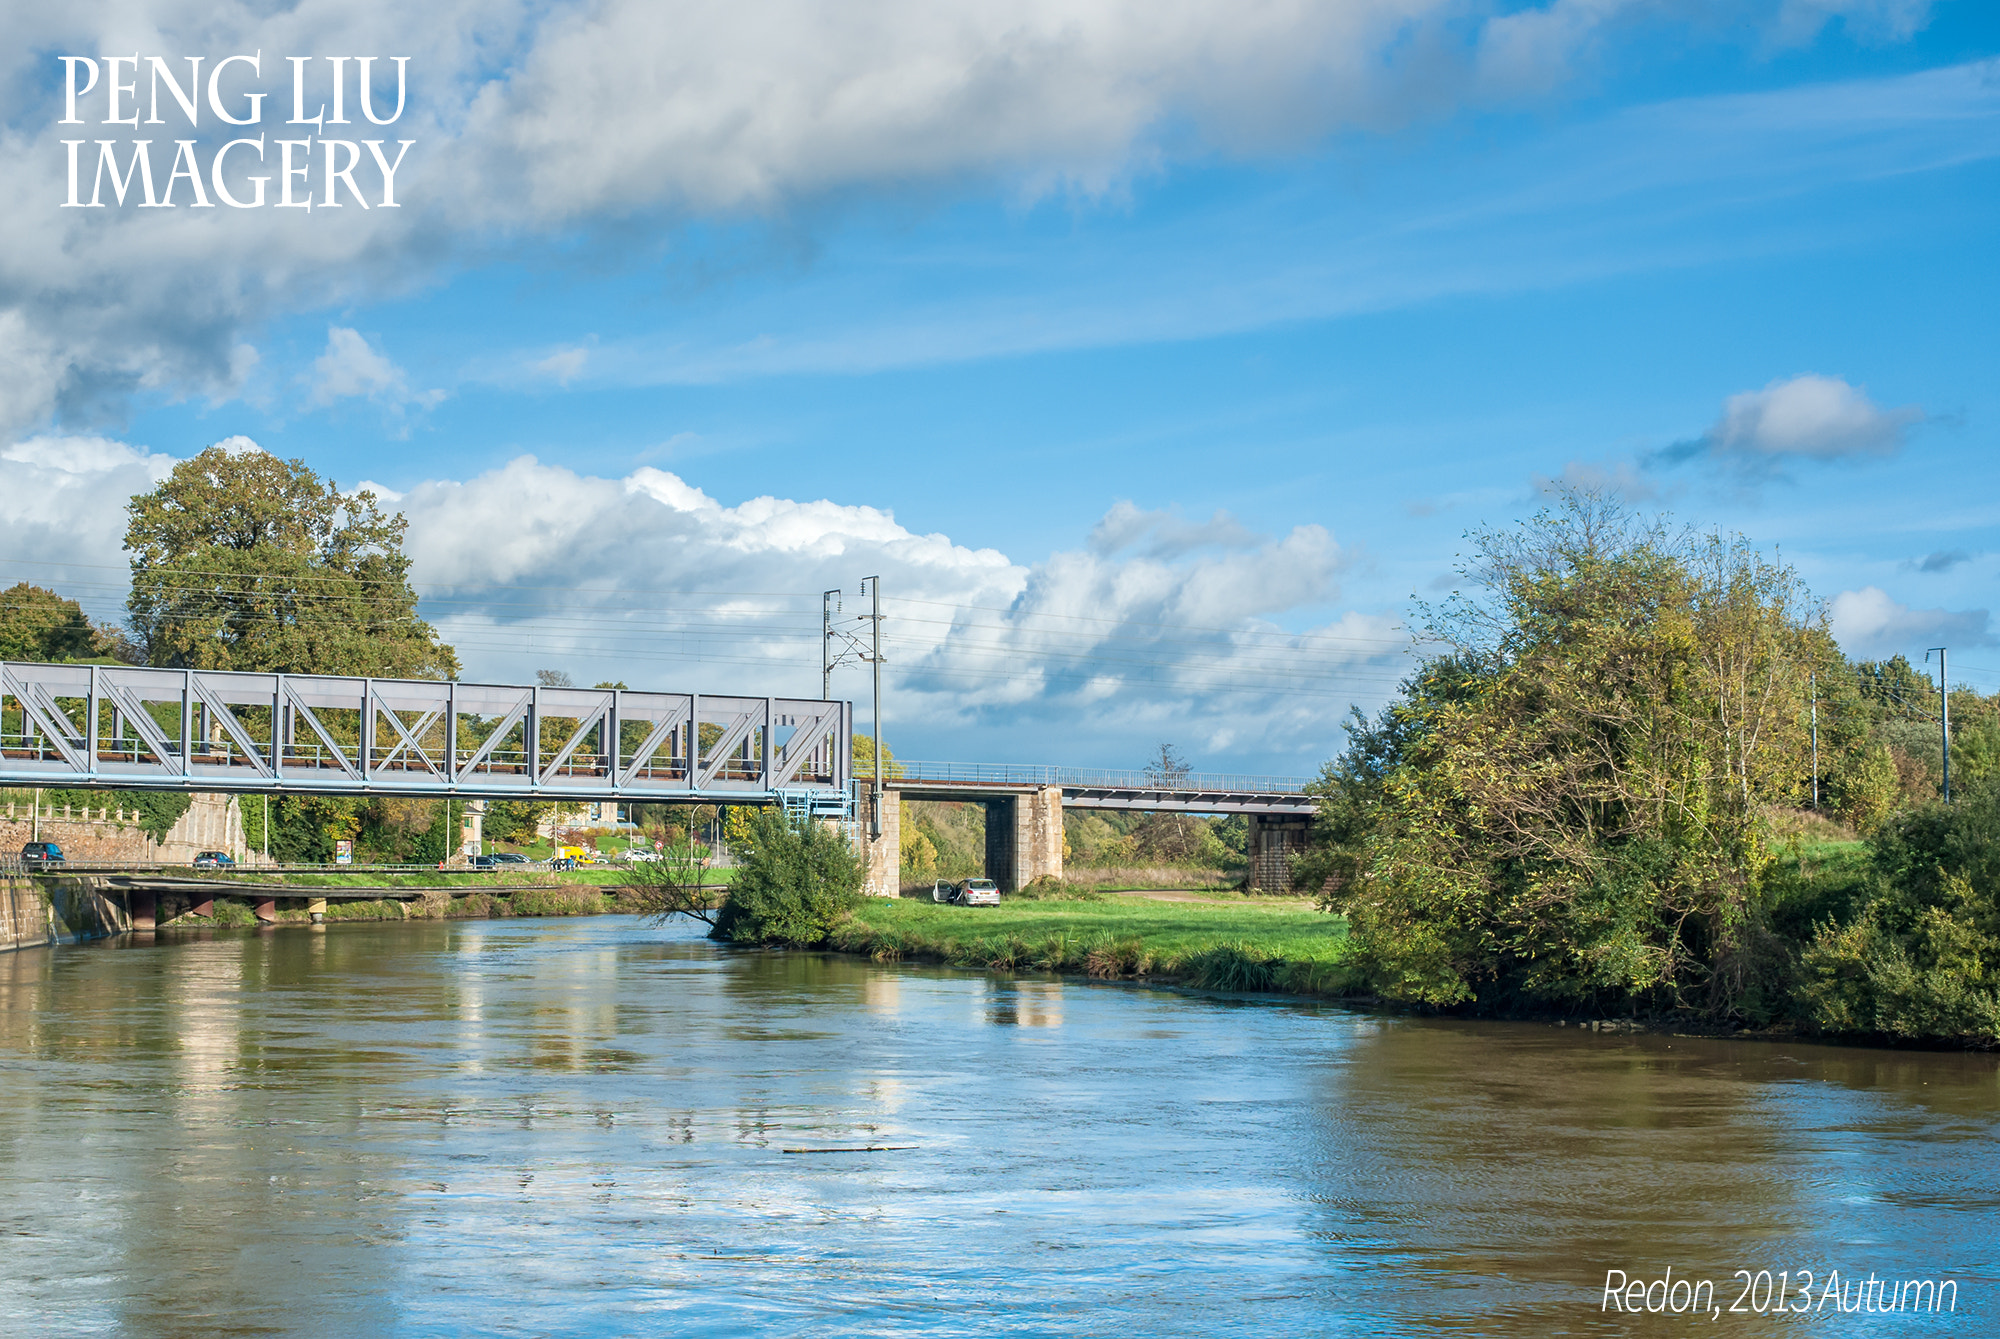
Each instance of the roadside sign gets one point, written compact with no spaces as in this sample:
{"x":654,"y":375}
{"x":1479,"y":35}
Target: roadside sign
{"x":343,"y":852}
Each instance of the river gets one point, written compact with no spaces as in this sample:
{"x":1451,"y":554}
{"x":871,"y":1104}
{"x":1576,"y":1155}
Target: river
{"x":579,"y":1127}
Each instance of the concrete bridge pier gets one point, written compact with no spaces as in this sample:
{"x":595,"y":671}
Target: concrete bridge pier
{"x":144,"y":909}
{"x":267,"y":911}
{"x":316,"y":909}
{"x":1273,"y":839}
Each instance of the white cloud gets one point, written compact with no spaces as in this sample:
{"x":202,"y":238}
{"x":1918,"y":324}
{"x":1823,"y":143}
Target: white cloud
{"x":538,"y":118}
{"x":1818,"y":417}
{"x":351,"y":368}
{"x":649,"y":579}
{"x":62,"y":515}
{"x":1087,"y":656}
{"x":1869,"y":624}
{"x":564,"y":365}
{"x":1166,"y":534}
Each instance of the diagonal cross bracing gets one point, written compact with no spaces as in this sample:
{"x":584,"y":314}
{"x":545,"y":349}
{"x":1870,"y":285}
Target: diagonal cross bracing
{"x":314,"y":734}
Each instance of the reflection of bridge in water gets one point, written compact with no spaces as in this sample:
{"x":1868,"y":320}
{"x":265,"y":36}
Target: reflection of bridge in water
{"x":118,"y":727}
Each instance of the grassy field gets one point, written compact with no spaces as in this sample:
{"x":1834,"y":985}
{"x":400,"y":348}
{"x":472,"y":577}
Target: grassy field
{"x":1234,"y":945}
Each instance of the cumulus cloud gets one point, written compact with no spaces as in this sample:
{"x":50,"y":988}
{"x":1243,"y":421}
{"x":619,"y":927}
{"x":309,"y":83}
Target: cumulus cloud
{"x":62,"y":514}
{"x":1869,"y":624}
{"x":1199,"y":632}
{"x":1807,"y":417}
{"x":530,"y":119}
{"x":1817,"y":417}
{"x":352,"y":368}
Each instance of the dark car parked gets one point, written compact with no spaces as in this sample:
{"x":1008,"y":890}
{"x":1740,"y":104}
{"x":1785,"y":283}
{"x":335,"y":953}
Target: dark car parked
{"x":40,"y":855}
{"x":214,"y":860}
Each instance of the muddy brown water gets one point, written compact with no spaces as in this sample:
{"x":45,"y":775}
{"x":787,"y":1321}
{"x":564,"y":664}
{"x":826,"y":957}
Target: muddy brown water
{"x":578,"y":1127}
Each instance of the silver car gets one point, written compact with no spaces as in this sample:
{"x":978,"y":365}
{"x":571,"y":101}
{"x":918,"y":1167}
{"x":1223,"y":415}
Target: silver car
{"x":967,"y":892}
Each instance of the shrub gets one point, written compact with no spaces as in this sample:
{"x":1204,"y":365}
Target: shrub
{"x":1229,"y":967}
{"x":1049,"y":888}
{"x":793,"y":884}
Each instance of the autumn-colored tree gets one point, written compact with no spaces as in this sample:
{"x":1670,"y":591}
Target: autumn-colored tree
{"x":244,"y":561}
{"x":1566,"y":804}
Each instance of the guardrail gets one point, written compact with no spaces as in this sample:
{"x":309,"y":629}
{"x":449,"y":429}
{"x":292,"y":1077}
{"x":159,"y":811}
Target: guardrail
{"x":1091,"y":778}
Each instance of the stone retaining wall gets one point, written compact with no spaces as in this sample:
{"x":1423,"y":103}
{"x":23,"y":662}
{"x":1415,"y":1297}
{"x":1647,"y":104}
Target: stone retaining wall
{"x":96,"y":836}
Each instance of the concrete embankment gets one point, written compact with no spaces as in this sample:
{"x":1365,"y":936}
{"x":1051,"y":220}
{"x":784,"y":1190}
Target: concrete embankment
{"x":36,"y":910}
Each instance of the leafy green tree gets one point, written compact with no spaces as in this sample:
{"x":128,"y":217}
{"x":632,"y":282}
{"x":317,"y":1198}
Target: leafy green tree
{"x":38,"y":624}
{"x":1566,"y":804}
{"x":514,"y":820}
{"x":862,"y":758}
{"x":244,"y":561}
{"x":793,"y":883}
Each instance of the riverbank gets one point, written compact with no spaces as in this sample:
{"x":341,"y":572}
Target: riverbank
{"x":436,"y":904}
{"x":1276,"y":945}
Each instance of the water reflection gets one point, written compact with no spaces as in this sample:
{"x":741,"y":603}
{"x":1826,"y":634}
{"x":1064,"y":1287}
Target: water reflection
{"x":578,"y":1128}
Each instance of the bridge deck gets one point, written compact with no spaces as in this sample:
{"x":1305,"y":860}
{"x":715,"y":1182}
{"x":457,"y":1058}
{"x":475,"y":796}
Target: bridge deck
{"x":1095,"y":788}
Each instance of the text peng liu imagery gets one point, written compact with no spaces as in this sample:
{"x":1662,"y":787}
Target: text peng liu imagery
{"x":219,"y":164}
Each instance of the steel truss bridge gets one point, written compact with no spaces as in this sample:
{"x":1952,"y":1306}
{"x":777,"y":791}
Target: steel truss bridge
{"x":126,"y":728}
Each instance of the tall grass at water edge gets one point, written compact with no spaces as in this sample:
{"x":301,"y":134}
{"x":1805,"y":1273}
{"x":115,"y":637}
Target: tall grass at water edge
{"x":1237,"y":947}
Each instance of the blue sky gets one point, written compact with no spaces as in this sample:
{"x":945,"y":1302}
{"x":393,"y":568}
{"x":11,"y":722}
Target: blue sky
{"x":1156,"y":379}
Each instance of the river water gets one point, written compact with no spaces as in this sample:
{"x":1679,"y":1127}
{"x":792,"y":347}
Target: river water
{"x":579,"y":1127}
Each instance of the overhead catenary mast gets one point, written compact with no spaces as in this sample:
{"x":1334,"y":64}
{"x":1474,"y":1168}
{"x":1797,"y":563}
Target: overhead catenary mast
{"x":1944,"y":718}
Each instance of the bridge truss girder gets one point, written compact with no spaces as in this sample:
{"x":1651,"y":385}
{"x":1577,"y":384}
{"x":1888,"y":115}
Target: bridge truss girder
{"x":130,"y":728}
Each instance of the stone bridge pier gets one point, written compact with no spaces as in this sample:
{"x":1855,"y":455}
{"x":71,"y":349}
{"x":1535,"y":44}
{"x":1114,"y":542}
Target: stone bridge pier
{"x":1024,"y":836}
{"x":1273,"y":840}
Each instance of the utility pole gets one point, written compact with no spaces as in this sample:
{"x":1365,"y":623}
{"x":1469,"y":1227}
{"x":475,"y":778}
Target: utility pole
{"x":875,"y":804}
{"x":829,"y":604}
{"x":1815,"y":739}
{"x":1944,"y":718}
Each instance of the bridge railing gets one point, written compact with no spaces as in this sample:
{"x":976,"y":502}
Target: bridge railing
{"x":1092,"y":778}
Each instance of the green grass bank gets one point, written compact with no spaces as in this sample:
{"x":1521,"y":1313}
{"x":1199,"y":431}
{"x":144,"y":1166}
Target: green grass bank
{"x":1240,"y":945}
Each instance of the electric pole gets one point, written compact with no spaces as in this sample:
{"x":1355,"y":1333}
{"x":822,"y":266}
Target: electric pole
{"x":829,"y":605}
{"x":1944,"y":718}
{"x":830,"y":631}
{"x":1815,"y":739}
{"x":875,"y":659}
